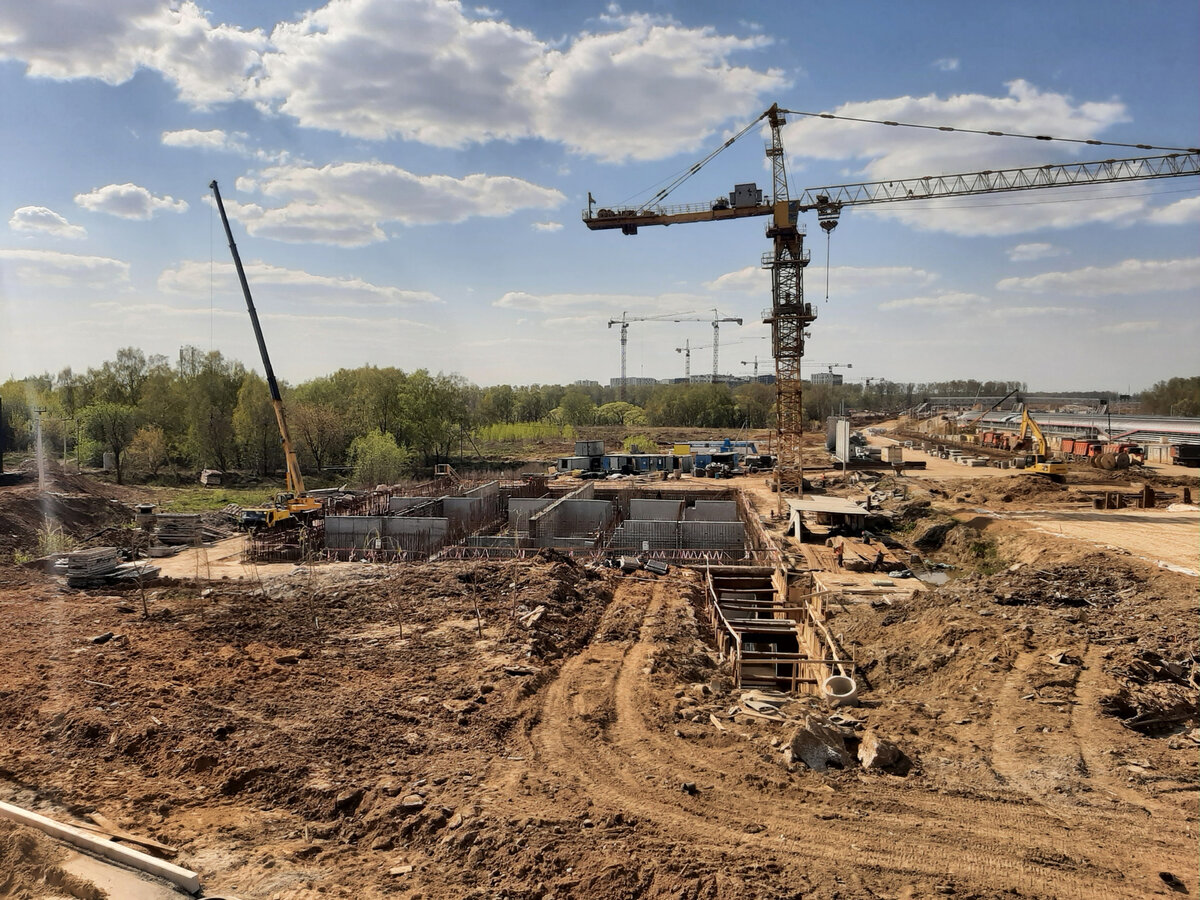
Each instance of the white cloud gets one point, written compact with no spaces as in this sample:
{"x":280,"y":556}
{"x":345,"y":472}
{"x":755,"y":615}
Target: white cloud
{"x":349,"y":203}
{"x":1131,"y":276}
{"x":547,"y":226}
{"x":128,"y":201}
{"x":843,"y":279}
{"x":1031,"y":252}
{"x":44,"y":221}
{"x":1137,"y":327}
{"x":65,"y":39}
{"x":1181,"y":212}
{"x":379,"y":68}
{"x":887,"y":154}
{"x":1028,"y":312}
{"x":945,"y":300}
{"x":214,"y":139}
{"x":50,"y":268}
{"x":946,"y":64}
{"x":601,"y":307}
{"x":193,"y":277}
{"x":423,"y":70}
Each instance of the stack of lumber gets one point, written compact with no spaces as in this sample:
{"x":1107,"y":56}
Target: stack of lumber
{"x":92,"y":563}
{"x":178,"y":528}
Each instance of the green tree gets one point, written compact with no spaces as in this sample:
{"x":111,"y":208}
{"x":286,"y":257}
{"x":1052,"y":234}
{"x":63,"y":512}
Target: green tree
{"x":255,"y":426}
{"x":576,"y":408}
{"x":148,"y":449}
{"x":378,"y":459}
{"x":112,"y":425}
{"x":320,"y":429}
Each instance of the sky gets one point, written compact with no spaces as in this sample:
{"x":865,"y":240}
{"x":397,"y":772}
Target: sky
{"x":405,"y":181}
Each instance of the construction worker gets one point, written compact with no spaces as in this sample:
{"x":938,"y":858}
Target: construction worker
{"x":838,"y":552}
{"x":878,"y":563}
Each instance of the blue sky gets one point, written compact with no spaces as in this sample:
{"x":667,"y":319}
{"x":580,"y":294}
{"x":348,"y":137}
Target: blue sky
{"x":405,"y":180}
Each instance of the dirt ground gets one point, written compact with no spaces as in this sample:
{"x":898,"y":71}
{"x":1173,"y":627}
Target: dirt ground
{"x":535,"y":729}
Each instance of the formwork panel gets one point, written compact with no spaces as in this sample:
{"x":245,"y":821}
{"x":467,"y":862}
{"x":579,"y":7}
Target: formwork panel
{"x":712,"y":511}
{"x":635,"y":533}
{"x":713,"y":535}
{"x":395,"y":504}
{"x":662,"y":510}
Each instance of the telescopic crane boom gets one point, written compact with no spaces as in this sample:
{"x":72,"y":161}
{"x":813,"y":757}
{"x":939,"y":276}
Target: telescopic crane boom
{"x":790,"y":315}
{"x":295,"y":503}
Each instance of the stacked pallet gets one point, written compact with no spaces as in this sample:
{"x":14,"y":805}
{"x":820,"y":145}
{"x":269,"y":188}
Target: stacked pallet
{"x":179,"y":528}
{"x":92,"y":563}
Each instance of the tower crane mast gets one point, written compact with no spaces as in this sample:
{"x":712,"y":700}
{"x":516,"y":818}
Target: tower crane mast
{"x":790,"y":314}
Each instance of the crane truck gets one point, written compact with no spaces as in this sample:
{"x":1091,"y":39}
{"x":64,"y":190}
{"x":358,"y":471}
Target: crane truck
{"x":294,"y":506}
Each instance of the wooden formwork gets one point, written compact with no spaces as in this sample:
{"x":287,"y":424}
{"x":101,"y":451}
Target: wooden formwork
{"x":759,"y":615}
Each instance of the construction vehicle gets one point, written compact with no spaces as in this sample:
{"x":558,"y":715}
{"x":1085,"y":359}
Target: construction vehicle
{"x":294,"y":506}
{"x":1185,"y":455}
{"x":790,"y":315}
{"x":1039,"y":462}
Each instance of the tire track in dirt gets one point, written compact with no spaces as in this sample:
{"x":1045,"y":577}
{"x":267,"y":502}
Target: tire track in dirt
{"x":592,"y":733}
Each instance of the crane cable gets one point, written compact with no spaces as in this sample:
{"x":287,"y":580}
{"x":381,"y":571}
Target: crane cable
{"x":696,"y":167}
{"x":991,"y":133}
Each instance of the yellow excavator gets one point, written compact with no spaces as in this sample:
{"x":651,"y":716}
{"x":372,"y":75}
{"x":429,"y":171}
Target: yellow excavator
{"x":294,"y":506}
{"x":1039,"y":462}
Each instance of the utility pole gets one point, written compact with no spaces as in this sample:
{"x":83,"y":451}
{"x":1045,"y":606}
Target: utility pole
{"x":41,"y":460}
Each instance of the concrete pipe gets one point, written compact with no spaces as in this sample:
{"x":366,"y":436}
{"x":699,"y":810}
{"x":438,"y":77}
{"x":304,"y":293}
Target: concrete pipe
{"x":840,"y":690}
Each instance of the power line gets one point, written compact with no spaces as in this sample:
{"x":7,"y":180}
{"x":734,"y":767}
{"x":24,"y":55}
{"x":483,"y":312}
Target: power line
{"x":1031,"y":137}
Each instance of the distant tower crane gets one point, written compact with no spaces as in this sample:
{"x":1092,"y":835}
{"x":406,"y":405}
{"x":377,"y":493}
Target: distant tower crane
{"x":670,"y":317}
{"x":789,"y":314}
{"x":686,"y":350}
{"x":829,"y":367}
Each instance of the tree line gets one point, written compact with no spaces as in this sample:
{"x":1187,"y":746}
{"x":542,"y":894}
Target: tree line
{"x":204,"y":410}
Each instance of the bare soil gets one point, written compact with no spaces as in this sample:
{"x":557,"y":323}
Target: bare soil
{"x":373,"y":731}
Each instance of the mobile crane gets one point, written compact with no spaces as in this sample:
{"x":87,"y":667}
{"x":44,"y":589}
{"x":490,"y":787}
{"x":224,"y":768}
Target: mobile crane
{"x":294,"y":506}
{"x":789,"y":315}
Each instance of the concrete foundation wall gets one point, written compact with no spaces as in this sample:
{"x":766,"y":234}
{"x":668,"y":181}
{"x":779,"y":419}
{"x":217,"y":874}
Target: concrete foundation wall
{"x":712,"y":535}
{"x":662,"y":510}
{"x":396,"y":504}
{"x":633,"y":534}
{"x":385,"y":532}
{"x":520,"y":509}
{"x":712,"y":511}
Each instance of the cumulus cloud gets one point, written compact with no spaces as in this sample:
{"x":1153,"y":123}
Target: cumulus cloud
{"x":128,"y":201}
{"x":378,"y":69}
{"x":44,"y":221}
{"x":1181,"y":212}
{"x":51,"y":268}
{"x":844,"y":279}
{"x":193,"y":277}
{"x":66,"y":39}
{"x":214,"y":139}
{"x":1131,"y":276}
{"x":547,"y":226}
{"x":348,"y":204}
{"x":945,"y":300}
{"x":1031,"y":252}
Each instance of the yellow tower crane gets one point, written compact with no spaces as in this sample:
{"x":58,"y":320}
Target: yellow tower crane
{"x":790,"y":314}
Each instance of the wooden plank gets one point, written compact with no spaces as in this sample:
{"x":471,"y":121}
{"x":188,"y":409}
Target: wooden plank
{"x":108,"y":826}
{"x":136,"y":859}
